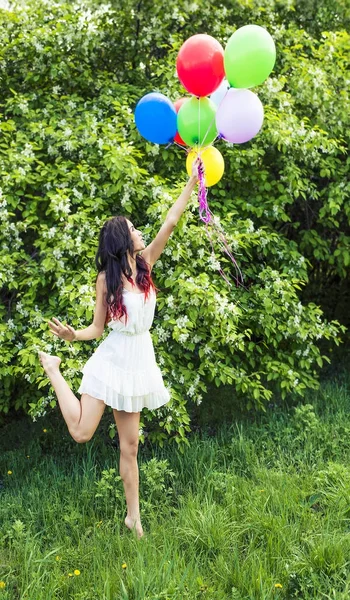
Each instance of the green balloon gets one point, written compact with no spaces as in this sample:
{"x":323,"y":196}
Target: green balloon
{"x":249,"y":56}
{"x":196,"y":122}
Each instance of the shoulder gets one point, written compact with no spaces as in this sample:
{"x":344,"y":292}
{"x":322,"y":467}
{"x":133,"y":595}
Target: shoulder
{"x":145,"y":255}
{"x":101,"y":279}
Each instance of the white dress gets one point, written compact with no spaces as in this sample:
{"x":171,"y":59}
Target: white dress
{"x":123,"y":371}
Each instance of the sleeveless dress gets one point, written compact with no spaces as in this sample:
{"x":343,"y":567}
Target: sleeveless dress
{"x":123,"y":371}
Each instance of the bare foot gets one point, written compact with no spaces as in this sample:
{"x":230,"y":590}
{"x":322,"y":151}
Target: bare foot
{"x":130,"y":523}
{"x":50,"y":363}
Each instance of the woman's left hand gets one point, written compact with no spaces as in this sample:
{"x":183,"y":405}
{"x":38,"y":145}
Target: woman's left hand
{"x":195,"y":166}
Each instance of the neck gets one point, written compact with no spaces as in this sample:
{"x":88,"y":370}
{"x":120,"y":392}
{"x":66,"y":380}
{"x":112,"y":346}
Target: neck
{"x":132,"y":264}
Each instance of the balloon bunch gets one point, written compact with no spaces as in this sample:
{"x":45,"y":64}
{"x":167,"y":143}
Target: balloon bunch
{"x":232,"y":112}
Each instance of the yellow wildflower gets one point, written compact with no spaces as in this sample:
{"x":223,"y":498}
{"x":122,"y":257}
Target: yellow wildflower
{"x":44,"y":430}
{"x":278,"y":585}
{"x":9,"y":472}
{"x":58,"y":558}
{"x":2,"y":585}
{"x":76,"y":572}
{"x":124,"y":565}
{"x":70,"y":574}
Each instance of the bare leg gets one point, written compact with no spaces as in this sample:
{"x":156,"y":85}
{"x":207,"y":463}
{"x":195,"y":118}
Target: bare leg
{"x":129,"y":472}
{"x":82,"y":417}
{"x":128,"y":431}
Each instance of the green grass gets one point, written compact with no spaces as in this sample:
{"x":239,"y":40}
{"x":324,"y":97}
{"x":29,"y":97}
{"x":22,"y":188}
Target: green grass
{"x":263,"y":501}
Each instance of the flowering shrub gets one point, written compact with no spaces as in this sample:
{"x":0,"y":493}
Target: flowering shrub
{"x":70,"y":157}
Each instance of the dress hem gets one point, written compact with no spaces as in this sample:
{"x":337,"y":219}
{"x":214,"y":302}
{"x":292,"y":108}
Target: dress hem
{"x":131,"y":404}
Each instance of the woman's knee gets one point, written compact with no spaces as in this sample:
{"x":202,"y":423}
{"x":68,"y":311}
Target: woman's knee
{"x":81,"y":437}
{"x":129,"y":449}
{"x":128,"y":432}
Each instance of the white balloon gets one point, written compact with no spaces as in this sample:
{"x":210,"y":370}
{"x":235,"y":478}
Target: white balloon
{"x":240,"y":116}
{"x":220,"y":92}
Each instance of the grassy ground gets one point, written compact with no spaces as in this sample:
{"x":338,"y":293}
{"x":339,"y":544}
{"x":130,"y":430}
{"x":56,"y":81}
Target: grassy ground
{"x":260,"y":510}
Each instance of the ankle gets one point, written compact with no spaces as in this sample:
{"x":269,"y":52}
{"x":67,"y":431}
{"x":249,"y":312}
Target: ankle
{"x":52,"y":370}
{"x":134,"y":517}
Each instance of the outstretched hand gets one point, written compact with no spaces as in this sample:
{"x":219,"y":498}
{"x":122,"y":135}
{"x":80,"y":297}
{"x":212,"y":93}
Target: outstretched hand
{"x":65,"y":332}
{"x":197,"y":164}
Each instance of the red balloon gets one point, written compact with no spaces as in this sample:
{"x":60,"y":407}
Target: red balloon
{"x":178,"y":103}
{"x":200,"y":64}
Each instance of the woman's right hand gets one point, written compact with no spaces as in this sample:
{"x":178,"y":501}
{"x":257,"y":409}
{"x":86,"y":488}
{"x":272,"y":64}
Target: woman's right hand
{"x":65,"y":332}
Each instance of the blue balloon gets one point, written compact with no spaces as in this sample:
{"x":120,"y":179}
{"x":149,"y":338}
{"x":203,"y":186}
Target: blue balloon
{"x":156,"y":118}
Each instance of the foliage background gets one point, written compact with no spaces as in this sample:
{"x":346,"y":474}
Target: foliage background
{"x":70,"y":156}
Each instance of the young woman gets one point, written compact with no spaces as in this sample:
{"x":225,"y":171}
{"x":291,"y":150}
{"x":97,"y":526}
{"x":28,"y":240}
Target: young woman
{"x":122,"y":372}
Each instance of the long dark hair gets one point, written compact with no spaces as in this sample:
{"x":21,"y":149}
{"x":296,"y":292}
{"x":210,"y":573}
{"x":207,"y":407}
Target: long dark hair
{"x":111,"y":257}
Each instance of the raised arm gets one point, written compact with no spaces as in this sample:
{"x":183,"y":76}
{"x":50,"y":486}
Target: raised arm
{"x":175,"y":212}
{"x":153,"y":251}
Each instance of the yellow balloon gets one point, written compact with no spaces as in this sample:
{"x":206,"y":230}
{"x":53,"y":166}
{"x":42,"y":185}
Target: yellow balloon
{"x":213,"y":164}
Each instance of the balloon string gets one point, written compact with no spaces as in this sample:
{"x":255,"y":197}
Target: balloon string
{"x":239,"y":277}
{"x":180,"y":146}
{"x":212,"y":121}
{"x":199,"y":121}
{"x":207,"y":219}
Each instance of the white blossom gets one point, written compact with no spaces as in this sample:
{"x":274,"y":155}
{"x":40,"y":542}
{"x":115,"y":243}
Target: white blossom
{"x":68,"y":145}
{"x":77,"y":194}
{"x":182,"y":321}
{"x":207,"y":350}
{"x":183,"y":337}
{"x":50,"y":233}
{"x":250,"y":226}
{"x":157,"y":190}
{"x":191,"y":391}
{"x":213,"y":263}
{"x":28,"y":151}
{"x":170,"y":301}
{"x":60,"y":205}
{"x":11,"y":324}
{"x":163,"y":334}
{"x":23,"y":105}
